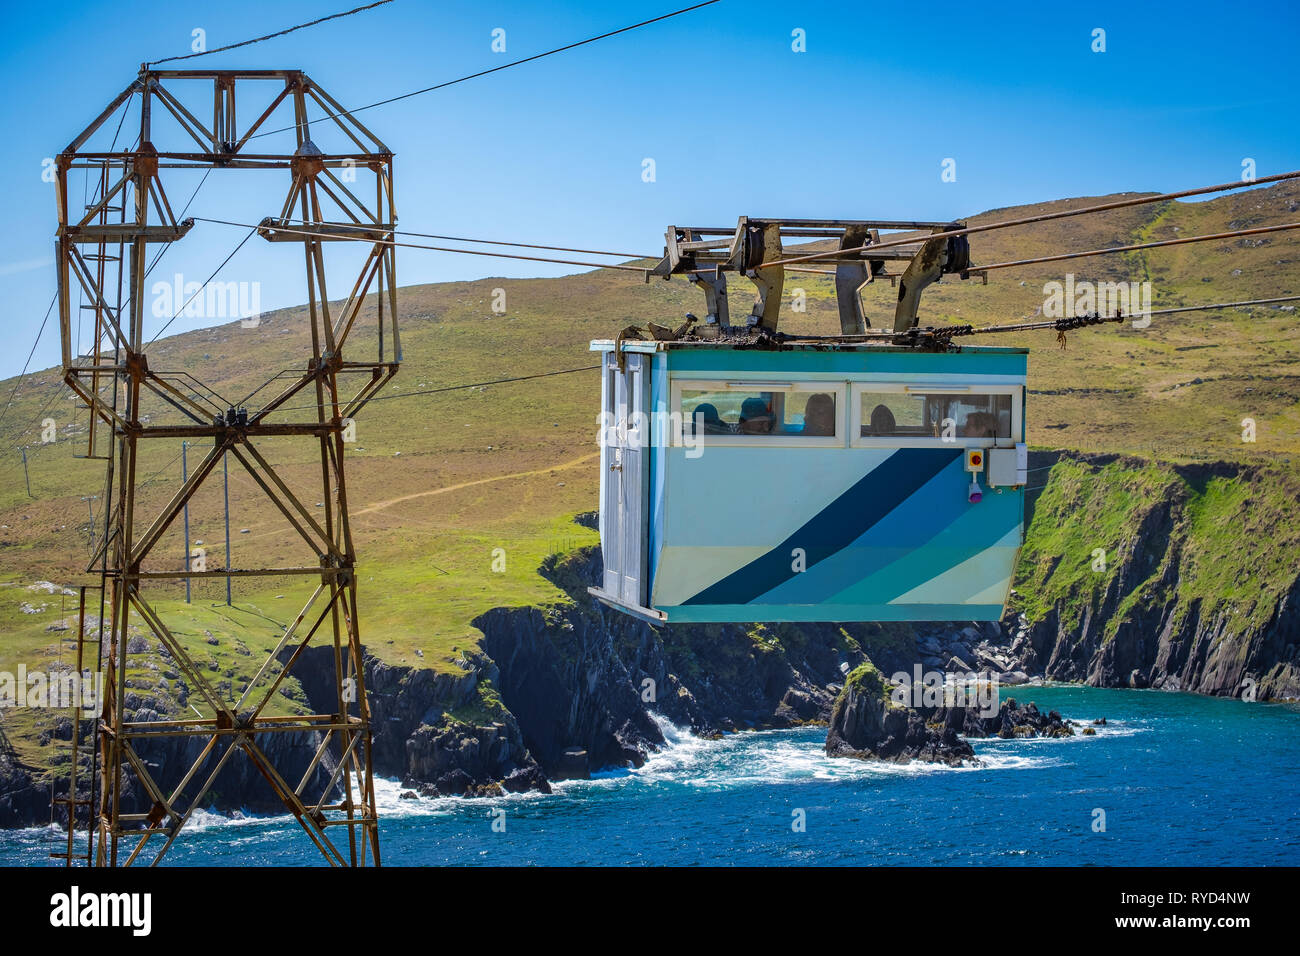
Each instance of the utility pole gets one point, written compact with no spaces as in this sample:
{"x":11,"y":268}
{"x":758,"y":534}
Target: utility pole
{"x":185,"y":478}
{"x":90,"y":510}
{"x":225,"y":483}
{"x":26,"y":477}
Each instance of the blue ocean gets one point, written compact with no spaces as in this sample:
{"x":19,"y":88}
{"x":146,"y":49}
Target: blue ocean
{"x":1170,"y":780}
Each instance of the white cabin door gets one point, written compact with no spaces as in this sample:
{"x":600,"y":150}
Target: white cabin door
{"x":623,"y":463}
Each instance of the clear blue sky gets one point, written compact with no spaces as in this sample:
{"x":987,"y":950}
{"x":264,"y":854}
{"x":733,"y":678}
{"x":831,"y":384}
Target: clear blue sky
{"x":738,"y":123}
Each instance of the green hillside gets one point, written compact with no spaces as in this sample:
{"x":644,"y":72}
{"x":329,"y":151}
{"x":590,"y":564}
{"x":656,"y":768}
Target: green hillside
{"x":438,"y":482}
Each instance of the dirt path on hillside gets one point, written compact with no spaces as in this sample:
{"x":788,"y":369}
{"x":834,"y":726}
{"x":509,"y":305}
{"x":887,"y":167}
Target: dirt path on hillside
{"x":381,"y":505}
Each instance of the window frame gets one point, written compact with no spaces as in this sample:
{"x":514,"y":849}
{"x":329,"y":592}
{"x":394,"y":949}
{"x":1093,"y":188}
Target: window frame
{"x":858,"y":440}
{"x":839,"y":388}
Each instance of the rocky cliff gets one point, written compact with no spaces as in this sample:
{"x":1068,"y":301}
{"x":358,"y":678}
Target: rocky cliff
{"x":1179,"y":577}
{"x":1133,"y":574}
{"x":570,"y":689}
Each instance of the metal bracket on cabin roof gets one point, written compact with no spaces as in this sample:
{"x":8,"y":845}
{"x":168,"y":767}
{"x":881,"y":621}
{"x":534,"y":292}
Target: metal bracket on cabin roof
{"x":754,"y":249}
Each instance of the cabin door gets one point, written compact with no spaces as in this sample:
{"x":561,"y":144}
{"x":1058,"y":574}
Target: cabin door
{"x":623,"y":464}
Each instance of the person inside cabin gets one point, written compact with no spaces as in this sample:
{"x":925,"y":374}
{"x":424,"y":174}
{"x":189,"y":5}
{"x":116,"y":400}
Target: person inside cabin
{"x":980,"y":425}
{"x":882,"y":421}
{"x":755,"y":417}
{"x":819,"y":415}
{"x":706,"y":415}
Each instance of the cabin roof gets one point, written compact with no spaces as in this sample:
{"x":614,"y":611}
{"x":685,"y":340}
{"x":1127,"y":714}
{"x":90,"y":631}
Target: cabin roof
{"x":640,"y":345}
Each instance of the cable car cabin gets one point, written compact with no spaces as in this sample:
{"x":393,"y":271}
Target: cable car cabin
{"x":849,"y":482}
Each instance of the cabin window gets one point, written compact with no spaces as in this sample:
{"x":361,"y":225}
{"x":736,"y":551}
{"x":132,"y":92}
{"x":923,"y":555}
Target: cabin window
{"x":797,"y":412}
{"x":910,"y":412}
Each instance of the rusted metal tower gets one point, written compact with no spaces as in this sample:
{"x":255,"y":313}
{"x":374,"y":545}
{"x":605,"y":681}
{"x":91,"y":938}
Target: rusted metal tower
{"x":102,"y":250}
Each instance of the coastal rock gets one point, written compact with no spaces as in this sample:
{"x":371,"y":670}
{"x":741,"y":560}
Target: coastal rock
{"x":1011,"y":721}
{"x":798,"y":707}
{"x":20,"y":801}
{"x":453,"y":783}
{"x":573,"y":765}
{"x":525,"y":779}
{"x":455,"y":758}
{"x":866,"y":725}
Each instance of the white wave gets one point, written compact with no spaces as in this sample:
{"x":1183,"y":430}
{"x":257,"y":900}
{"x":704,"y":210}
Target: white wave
{"x":388,"y":803}
{"x":1012,"y":761}
{"x":1117,"y":728}
{"x":766,"y":757}
{"x":1114,"y":728}
{"x":206,"y":819}
{"x":42,"y":832}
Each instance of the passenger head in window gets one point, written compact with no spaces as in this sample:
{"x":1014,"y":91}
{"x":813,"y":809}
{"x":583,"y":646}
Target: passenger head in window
{"x":819,"y":415}
{"x":882,"y":420}
{"x":707,"y":415}
{"x":980,"y":425}
{"x":755,"y":417}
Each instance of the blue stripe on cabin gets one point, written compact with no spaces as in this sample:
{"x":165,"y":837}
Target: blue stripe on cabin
{"x":975,"y":532}
{"x":923,"y":516}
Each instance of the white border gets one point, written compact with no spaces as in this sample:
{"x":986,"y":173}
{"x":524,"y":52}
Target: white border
{"x":857,"y":440}
{"x":838,"y":387}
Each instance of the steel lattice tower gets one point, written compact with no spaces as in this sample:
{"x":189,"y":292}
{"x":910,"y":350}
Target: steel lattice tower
{"x":103,"y":251}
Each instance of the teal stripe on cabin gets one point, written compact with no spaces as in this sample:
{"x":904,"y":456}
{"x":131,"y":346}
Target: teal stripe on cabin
{"x":925,"y":514}
{"x":836,"y":526}
{"x":978,"y":530}
{"x":833,"y":613}
{"x":795,"y":361}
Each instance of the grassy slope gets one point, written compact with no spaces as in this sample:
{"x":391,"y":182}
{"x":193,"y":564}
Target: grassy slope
{"x":1239,"y":535}
{"x":438,"y":482}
